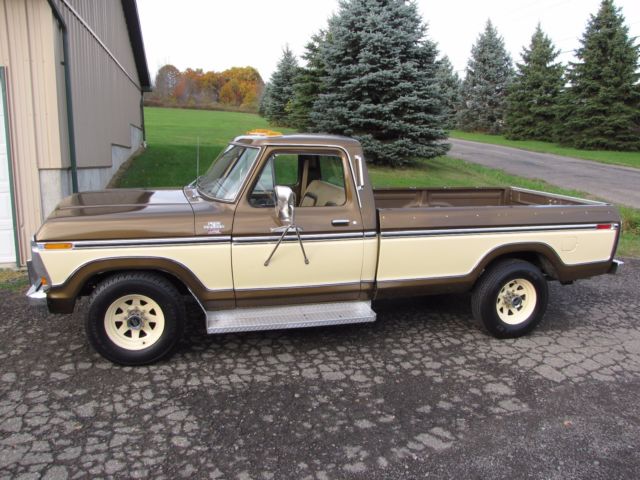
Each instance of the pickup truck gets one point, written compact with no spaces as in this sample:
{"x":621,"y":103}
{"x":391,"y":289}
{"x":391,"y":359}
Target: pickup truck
{"x":286,"y":231}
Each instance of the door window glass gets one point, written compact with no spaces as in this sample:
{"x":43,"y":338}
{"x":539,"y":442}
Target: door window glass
{"x":324,"y":180}
{"x":280,"y":169}
{"x":325,"y":186}
{"x":331,"y":170}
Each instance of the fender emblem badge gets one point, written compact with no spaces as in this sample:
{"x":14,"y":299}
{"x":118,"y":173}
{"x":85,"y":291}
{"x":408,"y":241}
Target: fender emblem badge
{"x":213,"y":227}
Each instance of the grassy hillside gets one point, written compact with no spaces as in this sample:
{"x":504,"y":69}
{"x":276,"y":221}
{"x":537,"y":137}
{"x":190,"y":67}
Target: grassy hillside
{"x":629,"y":159}
{"x":172,"y":135}
{"x":170,"y":161}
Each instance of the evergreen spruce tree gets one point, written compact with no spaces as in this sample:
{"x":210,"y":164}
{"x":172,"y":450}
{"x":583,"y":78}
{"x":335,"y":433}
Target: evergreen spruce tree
{"x":534,"y":94}
{"x":279,"y":94}
{"x":484,"y":88}
{"x":380,"y":84}
{"x":307,"y":84}
{"x":451,"y":90}
{"x":601,"y":107}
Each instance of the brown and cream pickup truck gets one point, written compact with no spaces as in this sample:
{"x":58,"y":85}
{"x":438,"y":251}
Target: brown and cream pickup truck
{"x":286,"y":231}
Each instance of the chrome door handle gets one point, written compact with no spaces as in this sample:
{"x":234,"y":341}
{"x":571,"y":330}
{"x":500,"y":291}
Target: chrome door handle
{"x":340,"y":222}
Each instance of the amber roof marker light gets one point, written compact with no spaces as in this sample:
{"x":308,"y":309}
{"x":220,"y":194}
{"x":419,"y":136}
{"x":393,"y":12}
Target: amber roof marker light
{"x":263,"y":132}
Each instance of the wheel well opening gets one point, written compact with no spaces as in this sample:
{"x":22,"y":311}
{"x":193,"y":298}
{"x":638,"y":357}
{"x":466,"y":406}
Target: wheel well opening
{"x":535,"y":258}
{"x":90,"y":285}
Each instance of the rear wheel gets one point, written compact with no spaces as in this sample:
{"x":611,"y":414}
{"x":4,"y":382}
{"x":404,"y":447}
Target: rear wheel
{"x":135,"y":318}
{"x":510,"y":298}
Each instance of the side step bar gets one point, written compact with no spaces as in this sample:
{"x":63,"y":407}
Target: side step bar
{"x":289,"y":316}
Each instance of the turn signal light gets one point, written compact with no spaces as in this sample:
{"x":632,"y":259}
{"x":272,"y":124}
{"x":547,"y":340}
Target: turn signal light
{"x":58,"y":246}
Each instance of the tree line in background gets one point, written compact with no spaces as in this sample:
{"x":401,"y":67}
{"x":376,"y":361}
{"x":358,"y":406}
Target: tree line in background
{"x":373,"y":74}
{"x":238,"y":88}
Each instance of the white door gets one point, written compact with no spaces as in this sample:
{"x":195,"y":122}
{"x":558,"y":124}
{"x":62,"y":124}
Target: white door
{"x":7,"y":234}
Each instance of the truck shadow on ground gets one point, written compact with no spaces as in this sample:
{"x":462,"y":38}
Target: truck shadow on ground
{"x":441,"y":315}
{"x":438,"y":315}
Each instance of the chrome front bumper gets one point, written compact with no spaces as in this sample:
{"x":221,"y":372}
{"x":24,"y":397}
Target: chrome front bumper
{"x":615,"y":265}
{"x":36,"y":295}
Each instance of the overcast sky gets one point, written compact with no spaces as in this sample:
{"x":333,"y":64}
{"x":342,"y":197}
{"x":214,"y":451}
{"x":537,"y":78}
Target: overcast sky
{"x":216,"y":35}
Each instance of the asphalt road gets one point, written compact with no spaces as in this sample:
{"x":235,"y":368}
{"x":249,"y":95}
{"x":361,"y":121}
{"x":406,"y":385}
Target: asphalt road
{"x":419,"y":393}
{"x":610,"y":182}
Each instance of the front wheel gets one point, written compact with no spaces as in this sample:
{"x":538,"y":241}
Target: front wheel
{"x":135,"y":318}
{"x":510,"y":298}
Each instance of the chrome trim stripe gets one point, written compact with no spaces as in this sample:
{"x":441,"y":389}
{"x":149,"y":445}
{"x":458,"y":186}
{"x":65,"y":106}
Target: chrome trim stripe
{"x":481,"y":230}
{"x":297,"y":287}
{"x":306,"y":237}
{"x":142,"y":242}
{"x":157,"y":242}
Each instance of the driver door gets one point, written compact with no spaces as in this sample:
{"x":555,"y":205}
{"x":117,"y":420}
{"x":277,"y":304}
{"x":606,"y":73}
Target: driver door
{"x":330,"y":222}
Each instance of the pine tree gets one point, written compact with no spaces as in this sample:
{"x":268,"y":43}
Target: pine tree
{"x":534,"y":94}
{"x":308,"y":84}
{"x":601,"y":107}
{"x":451,"y":90}
{"x":484,"y":88}
{"x":380,"y":84}
{"x":278,"y":96}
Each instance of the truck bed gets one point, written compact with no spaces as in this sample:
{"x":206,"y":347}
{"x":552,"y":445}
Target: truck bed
{"x":417,"y":209}
{"x":427,"y":235}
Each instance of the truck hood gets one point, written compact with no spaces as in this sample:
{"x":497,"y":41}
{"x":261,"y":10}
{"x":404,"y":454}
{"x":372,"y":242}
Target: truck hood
{"x":119,"y":214}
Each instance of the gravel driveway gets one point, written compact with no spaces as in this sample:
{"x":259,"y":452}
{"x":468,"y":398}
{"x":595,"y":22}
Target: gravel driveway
{"x":611,"y":182}
{"x":420,"y":392}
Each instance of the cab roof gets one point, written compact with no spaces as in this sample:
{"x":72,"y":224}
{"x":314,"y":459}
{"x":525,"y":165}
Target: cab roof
{"x":298,"y":140}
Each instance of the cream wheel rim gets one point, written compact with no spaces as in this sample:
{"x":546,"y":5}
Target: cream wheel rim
{"x":134,"y":322}
{"x":516,"y":301}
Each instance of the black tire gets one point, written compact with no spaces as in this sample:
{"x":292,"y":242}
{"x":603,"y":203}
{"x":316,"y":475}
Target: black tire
{"x":510,"y":279}
{"x":142,"y":286}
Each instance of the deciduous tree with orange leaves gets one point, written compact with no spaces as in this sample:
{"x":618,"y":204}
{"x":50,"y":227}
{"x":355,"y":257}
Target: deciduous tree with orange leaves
{"x":236,"y":87}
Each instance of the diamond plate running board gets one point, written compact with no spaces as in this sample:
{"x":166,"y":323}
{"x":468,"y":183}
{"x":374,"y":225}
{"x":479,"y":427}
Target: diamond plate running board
{"x":290,"y":316}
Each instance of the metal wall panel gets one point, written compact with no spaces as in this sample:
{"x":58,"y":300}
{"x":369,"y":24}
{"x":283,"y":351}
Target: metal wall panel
{"x":106,"y":93}
{"x":27,"y":52}
{"x":105,"y":99}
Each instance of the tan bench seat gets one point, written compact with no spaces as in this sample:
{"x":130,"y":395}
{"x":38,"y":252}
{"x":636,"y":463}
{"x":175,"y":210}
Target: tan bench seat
{"x":322,"y":194}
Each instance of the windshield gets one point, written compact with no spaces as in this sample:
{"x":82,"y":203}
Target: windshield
{"x":227,"y":173}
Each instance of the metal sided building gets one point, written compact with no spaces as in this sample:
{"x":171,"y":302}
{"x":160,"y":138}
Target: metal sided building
{"x":72,"y":74}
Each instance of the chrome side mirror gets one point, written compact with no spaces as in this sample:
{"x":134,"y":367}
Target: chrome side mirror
{"x":285,"y":205}
{"x":286,"y":213}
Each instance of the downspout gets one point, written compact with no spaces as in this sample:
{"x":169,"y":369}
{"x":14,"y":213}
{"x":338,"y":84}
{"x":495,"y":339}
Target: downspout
{"x":144,"y":130}
{"x":67,"y":85}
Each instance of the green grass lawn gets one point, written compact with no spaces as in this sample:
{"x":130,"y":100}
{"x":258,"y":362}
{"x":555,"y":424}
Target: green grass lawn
{"x":629,"y":159}
{"x":170,"y":161}
{"x":172,"y":136}
{"x":12,"y":280}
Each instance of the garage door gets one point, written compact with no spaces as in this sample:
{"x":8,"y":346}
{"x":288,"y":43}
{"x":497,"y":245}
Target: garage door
{"x":7,"y":234}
